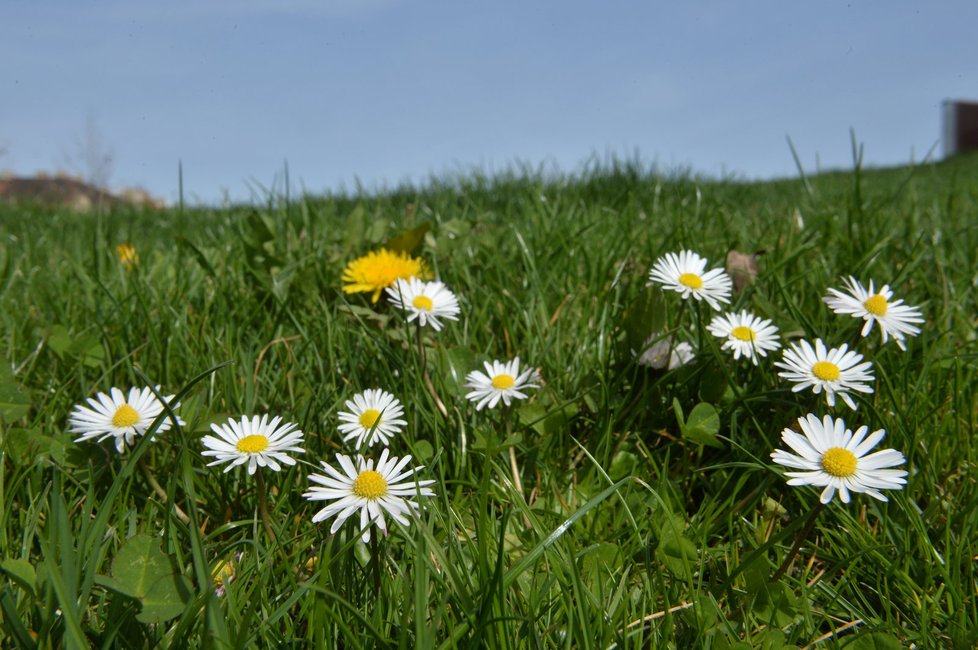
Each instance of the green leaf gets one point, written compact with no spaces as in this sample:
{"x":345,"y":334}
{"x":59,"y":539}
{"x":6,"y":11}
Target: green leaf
{"x":30,"y":446}
{"x":165,"y":599}
{"x":140,"y":570}
{"x":407,"y":241}
{"x":86,"y":348}
{"x":423,"y":450}
{"x":21,"y":572}
{"x":376,"y":229}
{"x":622,"y":464}
{"x":676,"y":551}
{"x":137,"y":565}
{"x":450,"y":234}
{"x":702,"y":425}
{"x":874,"y":641}
{"x":14,"y":404}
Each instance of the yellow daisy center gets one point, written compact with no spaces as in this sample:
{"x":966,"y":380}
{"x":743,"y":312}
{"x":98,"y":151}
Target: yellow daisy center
{"x":369,"y":418}
{"x":826,"y":371}
{"x":422,"y":302}
{"x":502,"y":382}
{"x":125,"y":416}
{"x":743,"y":333}
{"x":369,"y":484}
{"x":839,"y":462}
{"x":876,"y":305}
{"x":691,"y":280}
{"x":252,"y":444}
{"x":380,"y":269}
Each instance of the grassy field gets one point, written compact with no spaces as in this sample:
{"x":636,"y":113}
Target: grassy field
{"x":587,"y":516}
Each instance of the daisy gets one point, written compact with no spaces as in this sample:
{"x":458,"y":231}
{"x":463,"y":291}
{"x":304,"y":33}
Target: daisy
{"x":258,"y":442}
{"x":374,"y":416}
{"x":500,"y":381}
{"x":684,"y":273}
{"x":834,"y":457}
{"x":834,"y":371}
{"x":660,"y":352}
{"x":115,"y":415}
{"x":424,"y":301}
{"x":379,"y":269}
{"x":895,"y":318}
{"x":745,"y":334}
{"x":373,"y":491}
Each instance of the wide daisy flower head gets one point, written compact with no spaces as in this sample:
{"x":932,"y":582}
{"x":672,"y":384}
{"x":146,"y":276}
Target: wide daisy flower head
{"x":686,"y":274}
{"x":745,"y":335}
{"x":833,"y":457}
{"x":895,"y":318}
{"x":379,"y":269}
{"x":257,"y":442}
{"x":114,"y":415}
{"x":374,"y":416}
{"x":500,"y":381}
{"x":374,"y":491}
{"x":837,"y":371}
{"x":426,"y":302}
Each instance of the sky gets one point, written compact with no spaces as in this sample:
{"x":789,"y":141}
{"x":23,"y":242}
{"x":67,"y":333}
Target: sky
{"x":376,"y":93}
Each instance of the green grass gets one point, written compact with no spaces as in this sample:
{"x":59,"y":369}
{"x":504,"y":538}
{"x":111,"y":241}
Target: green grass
{"x":627,"y":534}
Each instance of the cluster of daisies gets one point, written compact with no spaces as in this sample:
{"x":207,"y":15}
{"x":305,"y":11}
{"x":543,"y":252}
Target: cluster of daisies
{"x":828,"y":454}
{"x":376,"y":489}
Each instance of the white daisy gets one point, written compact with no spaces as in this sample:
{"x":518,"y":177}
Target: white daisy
{"x":836,"y":371}
{"x":684,"y":273}
{"x":371,"y":490}
{"x":660,"y":352}
{"x":834,"y":457}
{"x":895,"y":318}
{"x":115,"y":415}
{"x":745,"y":334}
{"x":425,"y":301}
{"x":258,"y":442}
{"x":500,"y":381}
{"x":374,"y":416}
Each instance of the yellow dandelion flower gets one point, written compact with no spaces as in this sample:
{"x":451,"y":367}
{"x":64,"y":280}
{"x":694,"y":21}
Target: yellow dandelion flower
{"x":127,"y":255}
{"x":380,"y":269}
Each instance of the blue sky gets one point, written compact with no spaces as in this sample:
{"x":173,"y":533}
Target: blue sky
{"x":385,"y":91}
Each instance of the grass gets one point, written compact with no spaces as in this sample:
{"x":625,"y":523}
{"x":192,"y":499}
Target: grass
{"x":627,"y":534}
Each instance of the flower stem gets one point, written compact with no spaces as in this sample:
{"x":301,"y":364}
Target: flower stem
{"x":513,"y":466}
{"x":799,"y":540}
{"x":161,"y":493}
{"x":263,"y":505}
{"x":423,"y":370}
{"x":375,"y":553}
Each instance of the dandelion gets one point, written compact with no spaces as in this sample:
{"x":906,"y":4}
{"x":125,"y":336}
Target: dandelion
{"x":373,"y":491}
{"x":257,"y":442}
{"x":895,"y":318}
{"x":836,"y":371}
{"x":500,"y":381}
{"x":128,"y":257}
{"x":833,"y":457}
{"x":374,"y":416}
{"x":425,"y":302}
{"x":684,"y":273}
{"x":224,"y":573}
{"x":660,"y":352}
{"x":745,"y":334}
{"x":115,"y":415}
{"x":379,"y":269}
